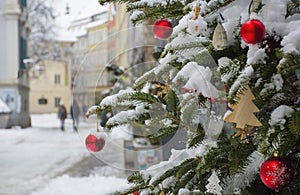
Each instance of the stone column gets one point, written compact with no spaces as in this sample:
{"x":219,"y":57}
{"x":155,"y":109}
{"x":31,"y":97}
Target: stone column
{"x":12,"y":12}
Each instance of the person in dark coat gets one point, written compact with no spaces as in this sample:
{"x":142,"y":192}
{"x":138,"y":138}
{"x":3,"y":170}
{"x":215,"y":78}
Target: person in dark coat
{"x":75,"y":112}
{"x":62,"y":115}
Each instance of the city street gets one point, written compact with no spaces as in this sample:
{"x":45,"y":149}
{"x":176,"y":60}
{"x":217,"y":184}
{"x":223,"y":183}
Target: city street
{"x":44,"y":160}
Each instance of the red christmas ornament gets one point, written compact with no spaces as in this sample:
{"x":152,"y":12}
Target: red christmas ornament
{"x":136,"y":193}
{"x":162,"y":29}
{"x":276,"y":173}
{"x":95,"y":143}
{"x":253,"y":31}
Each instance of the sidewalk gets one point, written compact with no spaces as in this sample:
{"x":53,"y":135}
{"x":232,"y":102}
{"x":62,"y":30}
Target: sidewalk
{"x":32,"y":159}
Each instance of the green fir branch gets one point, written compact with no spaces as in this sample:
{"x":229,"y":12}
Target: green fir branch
{"x":144,"y":97}
{"x":197,"y":137}
{"x":184,"y":169}
{"x":163,"y":132}
{"x":136,"y":188}
{"x":293,"y":7}
{"x":171,"y":172}
{"x":283,"y":142}
{"x":184,"y":180}
{"x":136,"y":178}
{"x":294,"y":123}
{"x":172,"y":102}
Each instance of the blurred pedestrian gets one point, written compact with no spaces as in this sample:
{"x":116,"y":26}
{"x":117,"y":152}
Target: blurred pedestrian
{"x":75,"y":112}
{"x":62,"y":115}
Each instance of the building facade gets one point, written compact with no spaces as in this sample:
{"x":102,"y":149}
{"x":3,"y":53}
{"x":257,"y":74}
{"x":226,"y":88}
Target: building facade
{"x":90,"y":55}
{"x":14,"y":86}
{"x":50,"y":84}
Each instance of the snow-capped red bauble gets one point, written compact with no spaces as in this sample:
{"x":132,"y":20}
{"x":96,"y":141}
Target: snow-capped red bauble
{"x":95,"y":142}
{"x":162,"y":29}
{"x":219,"y":40}
{"x":253,"y":31}
{"x":276,"y":173}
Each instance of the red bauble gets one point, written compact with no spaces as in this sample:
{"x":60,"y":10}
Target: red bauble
{"x":162,"y":29}
{"x":276,"y":173}
{"x":136,"y":193}
{"x":253,"y":31}
{"x":95,"y":143}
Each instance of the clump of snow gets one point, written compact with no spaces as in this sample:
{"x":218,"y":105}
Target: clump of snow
{"x":278,"y":115}
{"x":183,"y":23}
{"x":291,"y":42}
{"x":123,"y":116}
{"x":198,"y":79}
{"x":113,"y":99}
{"x":276,"y":83}
{"x":274,"y":12}
{"x":183,"y":192}
{"x":124,"y":132}
{"x":93,"y":184}
{"x":256,"y":55}
{"x":92,"y":110}
{"x":196,"y":27}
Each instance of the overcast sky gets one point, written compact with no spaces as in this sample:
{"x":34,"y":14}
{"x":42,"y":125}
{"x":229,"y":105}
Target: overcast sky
{"x":78,"y":8}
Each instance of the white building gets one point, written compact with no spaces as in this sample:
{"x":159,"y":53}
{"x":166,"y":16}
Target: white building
{"x":14,"y":88}
{"x":89,"y":56}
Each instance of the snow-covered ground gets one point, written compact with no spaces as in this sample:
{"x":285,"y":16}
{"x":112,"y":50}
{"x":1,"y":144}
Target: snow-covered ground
{"x":42,"y":160}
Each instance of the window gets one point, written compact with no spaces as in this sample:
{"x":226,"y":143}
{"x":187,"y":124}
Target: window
{"x":57,"y":101}
{"x":43,"y":101}
{"x":57,"y":78}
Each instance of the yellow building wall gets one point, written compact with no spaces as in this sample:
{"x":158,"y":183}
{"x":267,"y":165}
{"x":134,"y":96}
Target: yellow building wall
{"x":42,"y":85}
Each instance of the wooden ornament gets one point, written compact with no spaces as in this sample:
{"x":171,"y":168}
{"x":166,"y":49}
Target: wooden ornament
{"x":243,"y":112}
{"x":245,"y":134}
{"x":219,"y":40}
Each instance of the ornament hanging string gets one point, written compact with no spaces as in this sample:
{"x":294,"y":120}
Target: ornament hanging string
{"x":253,"y":5}
{"x":250,"y":8}
{"x":221,"y":18}
{"x":97,"y":122}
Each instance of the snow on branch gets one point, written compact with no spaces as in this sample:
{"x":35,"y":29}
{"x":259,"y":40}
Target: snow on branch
{"x":278,"y":115}
{"x":112,"y":100}
{"x":126,"y":116}
{"x":244,"y":179}
{"x":242,"y":80}
{"x":198,"y":79}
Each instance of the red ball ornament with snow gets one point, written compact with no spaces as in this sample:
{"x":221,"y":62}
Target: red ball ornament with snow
{"x":276,"y":173}
{"x":162,"y":29}
{"x":253,"y":31}
{"x":94,"y":142}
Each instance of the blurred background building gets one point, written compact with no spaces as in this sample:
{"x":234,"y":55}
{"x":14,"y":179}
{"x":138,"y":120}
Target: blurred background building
{"x":47,"y":57}
{"x":14,"y":85}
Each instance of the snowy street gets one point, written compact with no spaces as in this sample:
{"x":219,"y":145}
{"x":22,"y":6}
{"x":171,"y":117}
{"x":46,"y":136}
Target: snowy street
{"x":44,"y":160}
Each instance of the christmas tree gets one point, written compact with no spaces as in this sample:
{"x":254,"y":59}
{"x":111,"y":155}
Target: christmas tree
{"x":255,"y":45}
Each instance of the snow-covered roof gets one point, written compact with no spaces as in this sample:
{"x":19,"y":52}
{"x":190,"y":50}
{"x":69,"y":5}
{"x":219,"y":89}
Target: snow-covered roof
{"x":74,"y":25}
{"x":64,"y":35}
{"x":96,"y":23}
{"x":4,"y":108}
{"x":90,"y":11}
